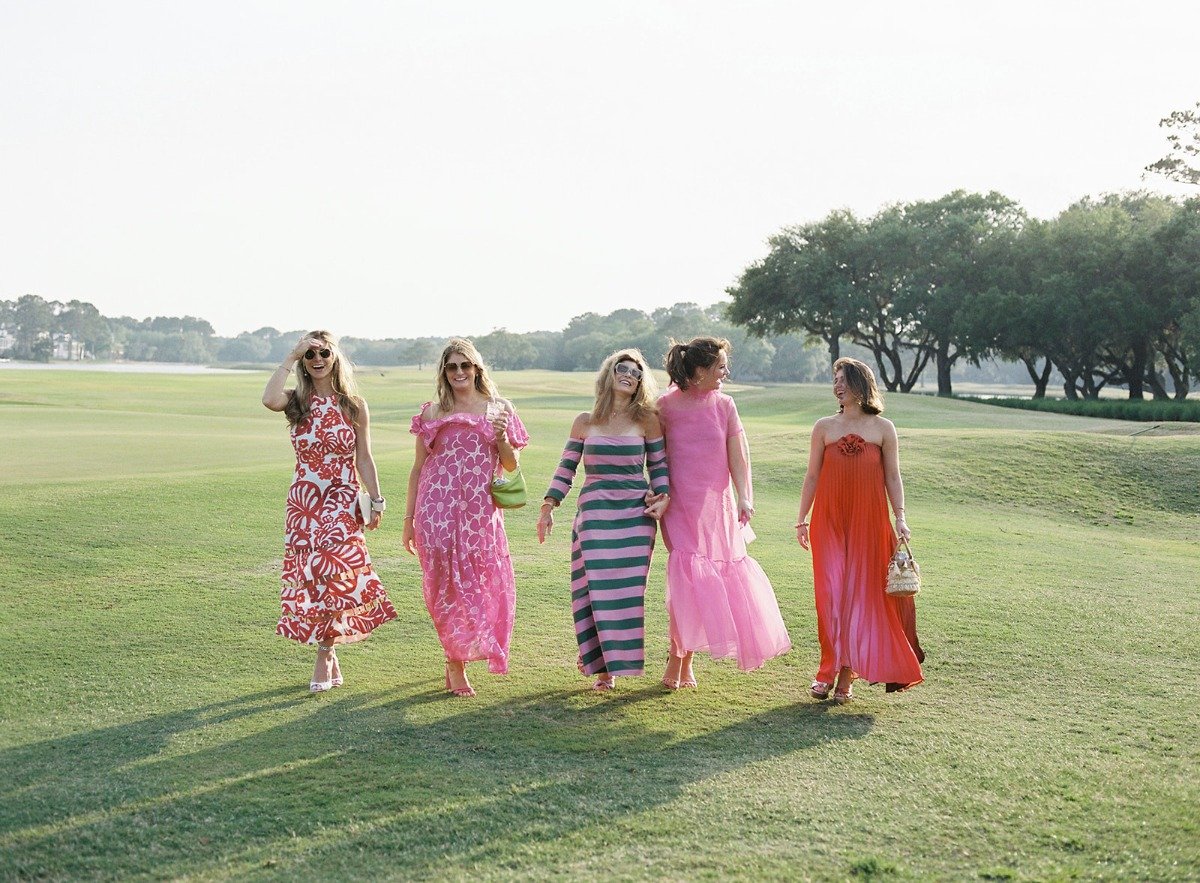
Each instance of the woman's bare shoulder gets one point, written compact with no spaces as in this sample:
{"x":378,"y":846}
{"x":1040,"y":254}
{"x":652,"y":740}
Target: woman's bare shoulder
{"x":581,"y":424}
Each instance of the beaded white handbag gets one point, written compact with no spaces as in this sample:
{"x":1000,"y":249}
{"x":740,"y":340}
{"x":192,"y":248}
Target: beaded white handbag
{"x":904,"y":574}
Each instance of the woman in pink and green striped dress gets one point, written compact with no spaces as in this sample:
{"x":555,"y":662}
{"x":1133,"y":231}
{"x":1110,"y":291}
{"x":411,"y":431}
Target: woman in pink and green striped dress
{"x":612,"y":538}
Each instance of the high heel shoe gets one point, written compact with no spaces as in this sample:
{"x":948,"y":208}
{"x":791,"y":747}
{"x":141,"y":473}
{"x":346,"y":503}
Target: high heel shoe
{"x":327,"y":684}
{"x":671,"y":683}
{"x":820,"y":690}
{"x":844,"y":691}
{"x":465,"y":691}
{"x":336,"y":680}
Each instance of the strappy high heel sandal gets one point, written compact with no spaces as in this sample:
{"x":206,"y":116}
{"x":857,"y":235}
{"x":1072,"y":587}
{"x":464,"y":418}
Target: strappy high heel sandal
{"x":820,"y":690}
{"x":672,"y":683}
{"x":466,"y":691}
{"x":327,"y":684}
{"x":336,"y":680}
{"x":843,"y":694}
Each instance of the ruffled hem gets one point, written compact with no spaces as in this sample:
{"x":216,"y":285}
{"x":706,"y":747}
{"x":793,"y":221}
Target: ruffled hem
{"x":336,"y":627}
{"x":724,"y":608}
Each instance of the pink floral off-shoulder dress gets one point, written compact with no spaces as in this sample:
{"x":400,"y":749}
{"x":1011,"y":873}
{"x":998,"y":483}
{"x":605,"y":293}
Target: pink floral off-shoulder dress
{"x":467,"y":575}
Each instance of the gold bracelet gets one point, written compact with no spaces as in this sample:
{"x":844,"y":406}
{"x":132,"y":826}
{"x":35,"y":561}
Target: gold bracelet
{"x":800,"y":524}
{"x":410,"y":517}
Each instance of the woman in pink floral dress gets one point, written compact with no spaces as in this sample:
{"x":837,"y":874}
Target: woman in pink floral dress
{"x":330,"y":592}
{"x":451,"y":521}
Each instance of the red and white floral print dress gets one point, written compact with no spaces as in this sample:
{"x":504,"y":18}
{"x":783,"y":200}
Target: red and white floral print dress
{"x":330,"y":591}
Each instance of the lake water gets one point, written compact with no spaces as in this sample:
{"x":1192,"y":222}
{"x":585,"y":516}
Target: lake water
{"x":119,"y":367}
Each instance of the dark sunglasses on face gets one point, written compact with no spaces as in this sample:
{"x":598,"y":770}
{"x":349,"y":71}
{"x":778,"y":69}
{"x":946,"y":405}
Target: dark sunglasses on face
{"x":624,"y":368}
{"x":309,"y":355}
{"x":455,"y":367}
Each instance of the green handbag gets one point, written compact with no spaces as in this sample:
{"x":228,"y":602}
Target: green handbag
{"x":509,"y":490}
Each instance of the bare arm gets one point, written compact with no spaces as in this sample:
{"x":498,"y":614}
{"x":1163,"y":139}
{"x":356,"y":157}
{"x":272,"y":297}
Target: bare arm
{"x":892,"y":479}
{"x":409,"y":535}
{"x":508,"y":454}
{"x":739,"y":469}
{"x":365,"y":461}
{"x":275,"y":397}
{"x":808,"y":493}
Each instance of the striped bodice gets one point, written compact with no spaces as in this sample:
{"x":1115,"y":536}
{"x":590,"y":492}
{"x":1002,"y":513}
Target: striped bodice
{"x":612,"y":465}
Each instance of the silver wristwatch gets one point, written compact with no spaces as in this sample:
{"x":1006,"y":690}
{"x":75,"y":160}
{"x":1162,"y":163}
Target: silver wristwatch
{"x":379,"y":505}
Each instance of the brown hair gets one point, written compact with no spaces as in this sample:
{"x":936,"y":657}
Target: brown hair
{"x":342,"y":376}
{"x":682,"y":359}
{"x":642,"y":405}
{"x":483,"y":382}
{"x":860,"y":380}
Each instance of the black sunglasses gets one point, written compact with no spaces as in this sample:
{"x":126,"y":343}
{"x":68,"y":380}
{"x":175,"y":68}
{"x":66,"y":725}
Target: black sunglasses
{"x":455,"y":367}
{"x":309,"y":355}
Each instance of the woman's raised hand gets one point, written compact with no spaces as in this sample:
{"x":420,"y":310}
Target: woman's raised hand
{"x":304,"y":344}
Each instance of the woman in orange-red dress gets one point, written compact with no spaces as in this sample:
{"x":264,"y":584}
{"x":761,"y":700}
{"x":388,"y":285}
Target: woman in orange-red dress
{"x":853,"y":472}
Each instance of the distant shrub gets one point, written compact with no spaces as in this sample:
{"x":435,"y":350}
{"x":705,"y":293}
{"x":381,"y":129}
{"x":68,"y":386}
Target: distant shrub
{"x":1146,"y":410}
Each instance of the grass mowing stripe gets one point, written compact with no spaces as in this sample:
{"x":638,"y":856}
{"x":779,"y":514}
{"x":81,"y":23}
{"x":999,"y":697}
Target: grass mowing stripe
{"x":154,"y":725}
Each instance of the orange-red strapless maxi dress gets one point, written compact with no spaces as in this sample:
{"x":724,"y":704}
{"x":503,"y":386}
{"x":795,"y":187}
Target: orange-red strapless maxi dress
{"x":858,"y":624}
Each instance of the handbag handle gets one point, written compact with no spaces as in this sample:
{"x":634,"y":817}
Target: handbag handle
{"x":903,"y":542}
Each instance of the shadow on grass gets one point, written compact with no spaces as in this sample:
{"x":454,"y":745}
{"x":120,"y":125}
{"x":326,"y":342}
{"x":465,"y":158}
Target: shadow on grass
{"x":413,"y":783}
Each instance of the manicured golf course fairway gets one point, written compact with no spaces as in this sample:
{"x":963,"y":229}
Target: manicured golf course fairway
{"x":155,"y":727}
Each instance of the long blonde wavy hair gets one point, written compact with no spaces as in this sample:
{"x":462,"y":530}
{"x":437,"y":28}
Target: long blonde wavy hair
{"x":483,"y":381}
{"x":645,"y":397}
{"x":342,"y":376}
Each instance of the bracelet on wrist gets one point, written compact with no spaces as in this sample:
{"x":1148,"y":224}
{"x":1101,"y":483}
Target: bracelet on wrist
{"x":410,"y":518}
{"x":800,"y":524}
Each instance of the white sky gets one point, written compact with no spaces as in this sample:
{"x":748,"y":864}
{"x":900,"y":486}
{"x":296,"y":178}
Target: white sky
{"x":397,"y":169}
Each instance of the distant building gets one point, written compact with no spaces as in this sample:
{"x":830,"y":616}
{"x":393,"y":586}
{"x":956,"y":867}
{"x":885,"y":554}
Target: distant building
{"x":68,"y":349}
{"x":7,"y":340}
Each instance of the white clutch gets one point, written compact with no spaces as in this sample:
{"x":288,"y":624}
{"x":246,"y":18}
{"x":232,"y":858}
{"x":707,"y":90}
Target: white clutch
{"x":364,"y":508}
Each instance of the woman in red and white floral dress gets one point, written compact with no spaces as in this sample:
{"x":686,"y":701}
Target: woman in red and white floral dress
{"x":330,"y":592}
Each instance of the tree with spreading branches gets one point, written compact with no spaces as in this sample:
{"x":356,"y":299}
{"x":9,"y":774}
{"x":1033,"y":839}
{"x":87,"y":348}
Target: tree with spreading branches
{"x":1182,"y":164}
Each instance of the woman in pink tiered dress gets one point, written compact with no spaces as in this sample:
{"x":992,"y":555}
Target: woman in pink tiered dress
{"x":451,"y":521}
{"x":853,"y":471}
{"x":330,"y":593}
{"x":718,"y":599}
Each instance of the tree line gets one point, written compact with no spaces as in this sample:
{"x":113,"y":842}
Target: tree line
{"x":1106,"y":293}
{"x":33,"y":328}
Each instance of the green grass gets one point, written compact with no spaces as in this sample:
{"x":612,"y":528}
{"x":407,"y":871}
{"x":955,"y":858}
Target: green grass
{"x":155,"y":727}
{"x":1145,"y":410}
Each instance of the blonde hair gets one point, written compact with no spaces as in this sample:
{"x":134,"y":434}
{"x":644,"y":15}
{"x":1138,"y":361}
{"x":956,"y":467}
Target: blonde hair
{"x":342,"y":378}
{"x":642,"y":405}
{"x":483,"y":382}
{"x":860,"y":381}
{"x":682,"y":359}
